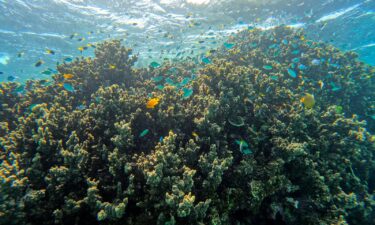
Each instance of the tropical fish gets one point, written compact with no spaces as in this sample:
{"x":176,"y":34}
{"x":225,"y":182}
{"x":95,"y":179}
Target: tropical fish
{"x":1,"y":72}
{"x":292,"y":73}
{"x":81,"y":39}
{"x":295,"y":60}
{"x":91,"y":45}
{"x":47,"y":72}
{"x":81,"y":107}
{"x":68,"y":76}
{"x":246,"y":151}
{"x":20,"y":54}
{"x":144,"y":132}
{"x":267,"y":67}
{"x":195,"y":135}
{"x":169,"y":81}
{"x":43,"y":82}
{"x":302,"y":67}
{"x":315,"y":62}
{"x":187,"y":92}
{"x":11,"y":78}
{"x":157,"y":79}
{"x":206,"y":60}
{"x":321,"y":84}
{"x":185,"y":81}
{"x":152,"y":103}
{"x":274,"y":77}
{"x":112,"y":66}
{"x":73,"y":35}
{"x":82,"y":48}
{"x":49,"y":51}
{"x":69,"y":87}
{"x":68,"y":59}
{"x":334,"y":86}
{"x":154,"y":64}
{"x":308,"y":100}
{"x":295,"y":52}
{"x":20,"y":88}
{"x":244,"y":147}
{"x":160,"y":87}
{"x":228,"y":45}
{"x":39,"y":63}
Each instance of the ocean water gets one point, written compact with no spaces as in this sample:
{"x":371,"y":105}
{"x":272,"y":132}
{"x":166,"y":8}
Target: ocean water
{"x":187,"y":112}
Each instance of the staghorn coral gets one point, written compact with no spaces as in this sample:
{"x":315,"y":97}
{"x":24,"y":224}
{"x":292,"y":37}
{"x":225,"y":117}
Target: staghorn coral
{"x":66,"y":165}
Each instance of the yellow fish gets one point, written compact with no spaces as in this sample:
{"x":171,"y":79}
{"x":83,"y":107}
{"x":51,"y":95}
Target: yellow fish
{"x":321,"y":84}
{"x":49,"y":51}
{"x":308,"y":100}
{"x":68,"y":76}
{"x":195,"y":135}
{"x":152,"y":103}
{"x":112,"y":67}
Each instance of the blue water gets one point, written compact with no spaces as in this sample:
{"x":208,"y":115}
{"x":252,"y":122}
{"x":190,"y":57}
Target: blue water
{"x":171,"y":29}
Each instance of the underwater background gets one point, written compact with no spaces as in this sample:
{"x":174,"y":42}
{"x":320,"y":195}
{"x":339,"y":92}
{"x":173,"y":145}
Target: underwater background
{"x":187,"y":112}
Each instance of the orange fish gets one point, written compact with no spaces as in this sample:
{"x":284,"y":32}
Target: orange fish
{"x":152,"y":103}
{"x":68,"y":76}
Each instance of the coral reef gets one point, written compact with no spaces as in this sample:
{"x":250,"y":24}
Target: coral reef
{"x":227,"y":141}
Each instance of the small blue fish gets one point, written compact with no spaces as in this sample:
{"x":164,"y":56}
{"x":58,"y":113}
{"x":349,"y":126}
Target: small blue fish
{"x":334,"y":86}
{"x":295,"y":60}
{"x":285,"y":42}
{"x":292,"y":73}
{"x":20,"y":88}
{"x":154,"y":65}
{"x":273,"y":46}
{"x":69,"y":87}
{"x":228,"y":45}
{"x":81,"y":107}
{"x":244,"y":147}
{"x":68,"y":59}
{"x":246,"y":151}
{"x":185,"y":81}
{"x":315,"y":62}
{"x":144,"y":132}
{"x":169,"y":81}
{"x":206,"y":60}
{"x":47,"y":72}
{"x":295,"y":52}
{"x":274,"y":77}
{"x":157,"y":79}
{"x":187,"y":93}
{"x":11,"y":78}
{"x":302,"y":67}
{"x":161,"y":139}
{"x":267,"y":67}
